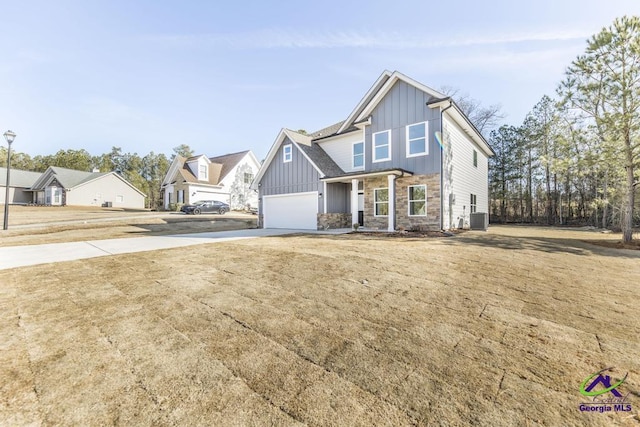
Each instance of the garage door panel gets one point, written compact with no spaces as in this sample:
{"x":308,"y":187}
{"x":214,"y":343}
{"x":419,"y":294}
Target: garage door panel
{"x":296,"y":211}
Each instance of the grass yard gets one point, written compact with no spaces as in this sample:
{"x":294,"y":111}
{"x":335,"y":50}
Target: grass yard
{"x":34,"y":225}
{"x":493,"y":329}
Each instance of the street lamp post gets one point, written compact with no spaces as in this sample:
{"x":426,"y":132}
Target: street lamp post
{"x":9,"y":136}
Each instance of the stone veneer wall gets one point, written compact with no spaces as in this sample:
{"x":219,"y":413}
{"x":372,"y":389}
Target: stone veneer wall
{"x":371,"y":221}
{"x":431,"y":220}
{"x":334,"y":220}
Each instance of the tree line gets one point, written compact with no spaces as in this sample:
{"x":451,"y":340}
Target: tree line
{"x":575,"y":159}
{"x":144,"y":172}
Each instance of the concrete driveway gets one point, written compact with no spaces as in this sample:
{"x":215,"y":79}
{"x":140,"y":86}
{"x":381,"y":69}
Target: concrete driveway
{"x":22,"y":256}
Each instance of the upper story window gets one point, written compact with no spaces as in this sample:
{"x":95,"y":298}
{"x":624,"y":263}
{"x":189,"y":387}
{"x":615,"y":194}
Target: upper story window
{"x":286,"y":153}
{"x":203,"y":172}
{"x":417,"y":139}
{"x":358,"y":155}
{"x":248,"y":177}
{"x":382,"y":146}
{"x":475,"y":158}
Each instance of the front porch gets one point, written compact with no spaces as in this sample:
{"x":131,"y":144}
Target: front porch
{"x":382,"y":200}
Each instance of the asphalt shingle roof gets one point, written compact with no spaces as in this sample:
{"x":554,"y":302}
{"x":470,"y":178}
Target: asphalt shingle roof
{"x":19,"y":178}
{"x":316,"y":154}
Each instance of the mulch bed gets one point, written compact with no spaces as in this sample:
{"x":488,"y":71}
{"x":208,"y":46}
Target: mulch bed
{"x":408,"y":234}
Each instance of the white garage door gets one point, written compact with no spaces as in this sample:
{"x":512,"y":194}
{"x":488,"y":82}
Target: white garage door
{"x":297,"y":211}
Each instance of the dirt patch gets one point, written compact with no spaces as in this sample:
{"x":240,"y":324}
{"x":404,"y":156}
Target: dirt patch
{"x":493,"y":329}
{"x":633,"y":245}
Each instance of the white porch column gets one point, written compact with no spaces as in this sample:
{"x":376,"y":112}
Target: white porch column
{"x":354,"y":201}
{"x":392,"y":202}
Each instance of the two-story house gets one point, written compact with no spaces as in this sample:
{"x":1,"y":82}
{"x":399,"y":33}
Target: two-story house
{"x":406,"y":156}
{"x":226,"y":178}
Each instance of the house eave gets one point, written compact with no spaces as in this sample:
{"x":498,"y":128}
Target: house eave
{"x":357,"y":175}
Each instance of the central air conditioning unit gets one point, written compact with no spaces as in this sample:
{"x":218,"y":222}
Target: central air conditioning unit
{"x":479,"y":221}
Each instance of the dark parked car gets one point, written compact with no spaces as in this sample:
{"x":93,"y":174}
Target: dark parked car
{"x":206,"y":206}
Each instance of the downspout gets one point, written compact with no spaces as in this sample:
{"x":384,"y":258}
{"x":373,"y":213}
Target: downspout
{"x":442,"y":201}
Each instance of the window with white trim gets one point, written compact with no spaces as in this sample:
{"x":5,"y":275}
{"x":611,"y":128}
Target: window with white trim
{"x":417,"y":200}
{"x":417,"y":140}
{"x":475,"y":158}
{"x":473,"y":204}
{"x":203,"y":172}
{"x":381,"y":146}
{"x":286,"y":153}
{"x":248,"y":177}
{"x":381,"y":202}
{"x":358,"y":155}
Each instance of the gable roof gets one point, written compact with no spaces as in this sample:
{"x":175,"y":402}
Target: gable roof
{"x":19,"y":178}
{"x":71,"y":178}
{"x":68,"y":178}
{"x":228,"y":161}
{"x":314,"y":154}
{"x":219,"y":167}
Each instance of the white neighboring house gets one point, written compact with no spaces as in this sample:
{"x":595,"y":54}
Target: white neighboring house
{"x":225,"y":178}
{"x":69,"y":187}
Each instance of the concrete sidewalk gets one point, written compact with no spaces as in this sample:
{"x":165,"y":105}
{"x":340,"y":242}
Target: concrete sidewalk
{"x":22,"y":256}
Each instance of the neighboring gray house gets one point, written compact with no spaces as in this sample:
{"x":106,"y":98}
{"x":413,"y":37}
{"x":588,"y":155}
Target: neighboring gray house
{"x":19,"y":185}
{"x":405,"y":157}
{"x":226,"y":178}
{"x":61,"y":186}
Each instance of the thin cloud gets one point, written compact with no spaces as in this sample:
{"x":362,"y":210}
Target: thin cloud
{"x":294,"y":39}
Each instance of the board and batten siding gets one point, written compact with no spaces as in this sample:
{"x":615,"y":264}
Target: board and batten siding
{"x":404,"y":105}
{"x":296,"y":176}
{"x":460,"y":177}
{"x":338,"y":198}
{"x":340,"y":149}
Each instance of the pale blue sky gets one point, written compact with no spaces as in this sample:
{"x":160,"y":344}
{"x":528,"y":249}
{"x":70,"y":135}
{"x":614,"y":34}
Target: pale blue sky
{"x":226,"y":76}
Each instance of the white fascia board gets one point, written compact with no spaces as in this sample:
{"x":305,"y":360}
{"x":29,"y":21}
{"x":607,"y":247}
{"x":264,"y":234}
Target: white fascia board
{"x":267,"y":161}
{"x":308,"y":159}
{"x":43,"y":178}
{"x":396,"y":76}
{"x":465,"y":124}
{"x":376,"y":87}
{"x":168,"y":178}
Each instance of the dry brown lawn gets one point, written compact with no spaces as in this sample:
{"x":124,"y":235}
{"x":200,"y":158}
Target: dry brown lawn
{"x":493,"y":329}
{"x":32,"y":225}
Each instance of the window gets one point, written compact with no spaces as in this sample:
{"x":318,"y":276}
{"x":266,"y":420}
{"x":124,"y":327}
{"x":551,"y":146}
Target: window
{"x":286,"y":153}
{"x":203,"y":172}
{"x":473,"y":203}
{"x":381,"y":201}
{"x":475,"y":158}
{"x":248,"y":177}
{"x":417,"y":200}
{"x":382,"y":146}
{"x":417,"y":140}
{"x":358,"y":155}
{"x":119,"y":198}
{"x":180,"y":196}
